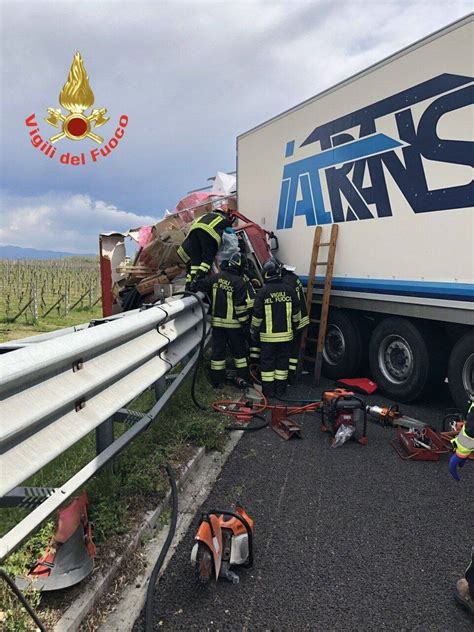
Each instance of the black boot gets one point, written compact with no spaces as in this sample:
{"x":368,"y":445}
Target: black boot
{"x":268,"y":389}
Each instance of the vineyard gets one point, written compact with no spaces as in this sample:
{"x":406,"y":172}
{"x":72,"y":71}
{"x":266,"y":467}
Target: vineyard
{"x":31,"y":290}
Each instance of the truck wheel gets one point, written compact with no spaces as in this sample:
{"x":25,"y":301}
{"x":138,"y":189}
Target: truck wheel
{"x":342,"y":353}
{"x":400,"y":356}
{"x":461,"y":371}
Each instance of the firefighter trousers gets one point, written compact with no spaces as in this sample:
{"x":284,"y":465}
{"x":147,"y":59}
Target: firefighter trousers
{"x":295,"y":345}
{"x":198,"y":252}
{"x":235,"y":340}
{"x":274,"y":358}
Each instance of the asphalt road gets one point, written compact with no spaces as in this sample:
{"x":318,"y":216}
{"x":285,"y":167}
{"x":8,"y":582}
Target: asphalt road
{"x":351,"y":538}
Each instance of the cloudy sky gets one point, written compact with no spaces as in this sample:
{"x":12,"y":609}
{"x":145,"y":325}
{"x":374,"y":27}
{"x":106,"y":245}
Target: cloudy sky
{"x":190,"y":76}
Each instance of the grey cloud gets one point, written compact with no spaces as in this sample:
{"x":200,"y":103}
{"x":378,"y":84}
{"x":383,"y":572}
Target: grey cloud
{"x":191,"y":76}
{"x":62,"y":221}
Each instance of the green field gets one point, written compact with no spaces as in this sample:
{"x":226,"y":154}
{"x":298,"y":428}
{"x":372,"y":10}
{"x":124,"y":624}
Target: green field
{"x":37,"y":291}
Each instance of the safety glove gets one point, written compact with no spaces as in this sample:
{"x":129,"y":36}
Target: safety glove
{"x":454,"y":462}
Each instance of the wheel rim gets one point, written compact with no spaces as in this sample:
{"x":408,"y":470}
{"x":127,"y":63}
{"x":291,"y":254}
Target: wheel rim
{"x":395,"y":359}
{"x":334,"y":345}
{"x":468,"y":375}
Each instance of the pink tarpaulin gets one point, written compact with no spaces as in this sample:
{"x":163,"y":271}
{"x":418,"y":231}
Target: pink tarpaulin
{"x":190,"y":201}
{"x":144,"y":235}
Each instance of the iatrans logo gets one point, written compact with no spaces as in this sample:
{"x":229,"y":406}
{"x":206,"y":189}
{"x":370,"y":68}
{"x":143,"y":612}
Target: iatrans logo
{"x":76,"y":98}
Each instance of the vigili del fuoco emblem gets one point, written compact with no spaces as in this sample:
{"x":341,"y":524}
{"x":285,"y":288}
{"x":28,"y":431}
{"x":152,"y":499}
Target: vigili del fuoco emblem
{"x":76,"y":97}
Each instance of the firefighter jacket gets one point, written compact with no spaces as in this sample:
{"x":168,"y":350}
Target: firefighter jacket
{"x":227,"y":292}
{"x":251,"y":293}
{"x":292,"y":280}
{"x":464,"y":442}
{"x":214,"y":224}
{"x":276,"y":313}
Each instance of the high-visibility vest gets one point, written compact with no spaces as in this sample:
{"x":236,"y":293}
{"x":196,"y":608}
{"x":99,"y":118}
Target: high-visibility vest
{"x":464,"y":443}
{"x":213,"y":224}
{"x":293,"y":281}
{"x":228,"y":294}
{"x":276,"y":312}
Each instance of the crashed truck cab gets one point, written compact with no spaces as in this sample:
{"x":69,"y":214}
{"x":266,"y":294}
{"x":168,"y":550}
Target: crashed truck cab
{"x":142,"y":265}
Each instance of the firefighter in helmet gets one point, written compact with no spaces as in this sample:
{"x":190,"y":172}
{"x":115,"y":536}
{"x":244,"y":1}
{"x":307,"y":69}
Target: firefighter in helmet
{"x":276,"y":316}
{"x":199,"y":249}
{"x":464,"y":447}
{"x":227,"y":292}
{"x":293,"y":281}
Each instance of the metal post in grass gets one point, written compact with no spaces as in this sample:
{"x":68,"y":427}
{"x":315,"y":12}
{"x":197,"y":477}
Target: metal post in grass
{"x":104,"y":437}
{"x":160,"y":387}
{"x":35,"y":303}
{"x":66,"y":300}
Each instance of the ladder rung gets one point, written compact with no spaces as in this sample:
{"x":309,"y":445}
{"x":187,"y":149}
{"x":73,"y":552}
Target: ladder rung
{"x":311,"y":340}
{"x":326,"y":243}
{"x":309,"y":359}
{"x":313,"y":320}
{"x":323,"y":263}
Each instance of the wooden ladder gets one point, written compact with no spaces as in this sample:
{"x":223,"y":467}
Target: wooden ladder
{"x":323,"y":319}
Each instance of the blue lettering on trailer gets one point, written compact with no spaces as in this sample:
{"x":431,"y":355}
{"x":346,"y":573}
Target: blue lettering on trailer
{"x":345,"y":160}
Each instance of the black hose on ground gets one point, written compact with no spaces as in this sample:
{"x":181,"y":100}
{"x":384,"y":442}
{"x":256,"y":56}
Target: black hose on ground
{"x":201,"y":353}
{"x":159,"y":563}
{"x":250,"y":428}
{"x":24,"y":602}
{"x":201,"y":346}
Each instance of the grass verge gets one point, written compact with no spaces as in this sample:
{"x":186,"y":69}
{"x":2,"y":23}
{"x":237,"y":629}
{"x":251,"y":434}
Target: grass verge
{"x":19,"y":329}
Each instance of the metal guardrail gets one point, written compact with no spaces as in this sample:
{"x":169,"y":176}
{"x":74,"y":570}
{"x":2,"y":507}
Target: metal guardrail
{"x":56,"y":390}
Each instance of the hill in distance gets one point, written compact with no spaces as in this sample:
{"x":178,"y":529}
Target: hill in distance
{"x":16,"y":252}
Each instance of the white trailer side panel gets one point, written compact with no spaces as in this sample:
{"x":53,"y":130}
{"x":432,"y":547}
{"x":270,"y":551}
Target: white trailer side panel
{"x":388,"y":155}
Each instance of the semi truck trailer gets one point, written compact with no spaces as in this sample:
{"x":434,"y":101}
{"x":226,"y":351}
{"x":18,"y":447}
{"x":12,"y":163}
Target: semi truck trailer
{"x":387,"y":154}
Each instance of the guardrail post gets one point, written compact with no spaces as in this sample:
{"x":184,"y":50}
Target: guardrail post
{"x":160,"y":387}
{"x":104,"y":436}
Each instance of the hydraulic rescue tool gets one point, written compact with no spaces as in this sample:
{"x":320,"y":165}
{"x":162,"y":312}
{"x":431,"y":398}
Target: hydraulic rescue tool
{"x":341,"y":412}
{"x":419,"y":445}
{"x":282,"y":424}
{"x":415,"y":439}
{"x":391,"y":416}
{"x":224,"y":539}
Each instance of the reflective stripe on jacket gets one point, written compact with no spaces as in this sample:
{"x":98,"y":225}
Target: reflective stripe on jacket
{"x":251,"y":293}
{"x":276,"y":312}
{"x":213,"y":224}
{"x":464,"y":442}
{"x":228,"y":295}
{"x":293,"y":281}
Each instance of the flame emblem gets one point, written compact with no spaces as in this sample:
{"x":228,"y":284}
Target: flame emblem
{"x":76,"y":97}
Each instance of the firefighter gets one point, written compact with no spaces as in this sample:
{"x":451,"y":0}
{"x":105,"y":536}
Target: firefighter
{"x":276,"y":315}
{"x":253,"y":283}
{"x":199,"y":249}
{"x":229,"y":318}
{"x":464,"y":447}
{"x":292,"y":280}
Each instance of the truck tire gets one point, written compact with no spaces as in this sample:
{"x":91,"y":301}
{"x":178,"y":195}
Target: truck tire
{"x":461,"y":371}
{"x":404,"y":359}
{"x":343,"y":348}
